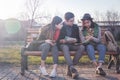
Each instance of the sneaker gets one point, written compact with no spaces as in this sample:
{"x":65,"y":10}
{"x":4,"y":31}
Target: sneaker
{"x":43,"y":71}
{"x":101,"y":72}
{"x":118,"y":71}
{"x":72,"y":72}
{"x":69,"y":72}
{"x":53,"y":73}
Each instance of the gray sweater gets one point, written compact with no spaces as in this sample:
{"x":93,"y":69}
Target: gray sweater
{"x":97,"y":40}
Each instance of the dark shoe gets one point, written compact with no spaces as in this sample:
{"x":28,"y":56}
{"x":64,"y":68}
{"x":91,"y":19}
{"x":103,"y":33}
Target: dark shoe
{"x":72,"y":72}
{"x":69,"y":72}
{"x":101,"y":72}
{"x":118,"y":71}
{"x":75,"y":62}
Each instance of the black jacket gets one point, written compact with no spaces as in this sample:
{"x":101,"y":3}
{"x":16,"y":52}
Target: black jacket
{"x":75,"y":33}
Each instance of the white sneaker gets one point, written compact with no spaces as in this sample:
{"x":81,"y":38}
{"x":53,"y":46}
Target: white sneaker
{"x":43,"y":71}
{"x":53,"y":73}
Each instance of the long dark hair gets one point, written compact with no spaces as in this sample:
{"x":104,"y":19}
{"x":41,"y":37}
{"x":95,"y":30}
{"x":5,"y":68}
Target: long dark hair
{"x":92,"y":24}
{"x":55,"y":21}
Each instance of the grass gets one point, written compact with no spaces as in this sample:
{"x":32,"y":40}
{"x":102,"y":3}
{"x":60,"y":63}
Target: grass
{"x":12,"y":55}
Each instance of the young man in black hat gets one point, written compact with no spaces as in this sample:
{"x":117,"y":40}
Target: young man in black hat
{"x":70,"y":39}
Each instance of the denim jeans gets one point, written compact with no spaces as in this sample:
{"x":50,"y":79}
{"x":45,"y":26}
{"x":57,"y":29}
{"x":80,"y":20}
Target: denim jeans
{"x":101,"y":51}
{"x":45,"y":48}
{"x":66,"y":50}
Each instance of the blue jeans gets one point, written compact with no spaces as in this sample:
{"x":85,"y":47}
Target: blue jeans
{"x":45,"y":48}
{"x":101,"y":50}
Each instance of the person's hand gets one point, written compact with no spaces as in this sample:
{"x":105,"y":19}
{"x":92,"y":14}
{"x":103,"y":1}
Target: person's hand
{"x":53,"y":41}
{"x":72,"y":41}
{"x":63,"y":41}
{"x":89,"y":38}
{"x":49,"y":42}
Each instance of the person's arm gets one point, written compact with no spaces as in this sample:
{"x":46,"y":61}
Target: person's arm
{"x":75,"y":38}
{"x":41,"y":38}
{"x":82,"y":38}
{"x":98,"y":39}
{"x":62,"y":35}
{"x":38,"y":40}
{"x":77,"y":35}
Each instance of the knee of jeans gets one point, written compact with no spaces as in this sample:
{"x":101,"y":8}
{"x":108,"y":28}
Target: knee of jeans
{"x":45,"y":45}
{"x":89,"y":47}
{"x":64,"y":46}
{"x":101,"y":61}
{"x":54,"y":47}
{"x":101,"y":47}
{"x":82,"y":47}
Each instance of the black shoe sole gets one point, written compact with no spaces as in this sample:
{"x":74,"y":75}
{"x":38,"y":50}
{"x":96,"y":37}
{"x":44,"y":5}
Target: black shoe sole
{"x":100,"y":74}
{"x":75,"y":75}
{"x":118,"y":71}
{"x":68,"y":74}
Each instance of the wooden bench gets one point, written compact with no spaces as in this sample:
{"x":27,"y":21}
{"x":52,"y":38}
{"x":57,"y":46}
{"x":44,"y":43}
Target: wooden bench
{"x":114,"y":56}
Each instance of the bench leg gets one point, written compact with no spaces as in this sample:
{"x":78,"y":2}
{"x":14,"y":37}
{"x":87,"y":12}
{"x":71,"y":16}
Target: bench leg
{"x":110,"y":57}
{"x":23,"y":62}
{"x":117,"y":61}
{"x":111,"y":62}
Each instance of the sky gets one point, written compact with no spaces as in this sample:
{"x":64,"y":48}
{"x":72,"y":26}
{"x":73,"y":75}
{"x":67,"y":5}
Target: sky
{"x":12,"y":8}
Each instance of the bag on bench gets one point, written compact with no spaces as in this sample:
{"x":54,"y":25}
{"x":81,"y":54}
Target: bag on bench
{"x":111,"y":43}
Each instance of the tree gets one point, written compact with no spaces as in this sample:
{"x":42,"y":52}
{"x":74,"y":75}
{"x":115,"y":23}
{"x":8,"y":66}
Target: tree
{"x":23,"y":16}
{"x":32,"y":7}
{"x":44,"y":17}
{"x":113,"y":18}
{"x":97,"y":16}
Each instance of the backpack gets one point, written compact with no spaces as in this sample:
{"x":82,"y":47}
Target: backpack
{"x":111,"y":43}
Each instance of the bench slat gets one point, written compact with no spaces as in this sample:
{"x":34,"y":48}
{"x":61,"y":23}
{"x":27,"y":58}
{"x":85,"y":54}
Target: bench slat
{"x":31,"y":31}
{"x":72,"y":53}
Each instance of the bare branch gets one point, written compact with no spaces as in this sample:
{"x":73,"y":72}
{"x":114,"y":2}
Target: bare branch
{"x":32,"y":7}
